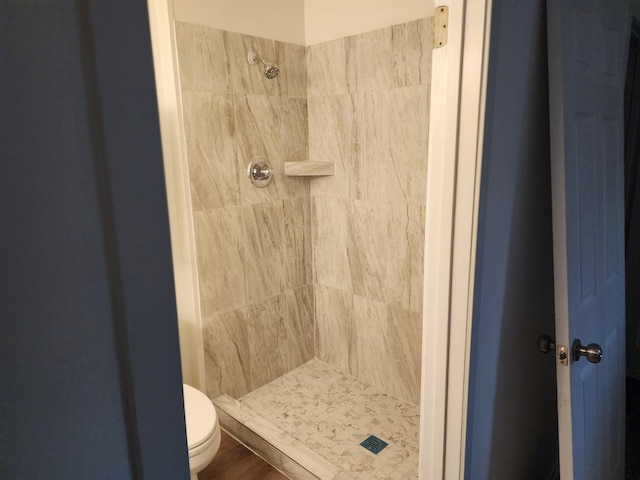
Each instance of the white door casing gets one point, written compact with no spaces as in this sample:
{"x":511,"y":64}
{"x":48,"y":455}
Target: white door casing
{"x":587,"y":42}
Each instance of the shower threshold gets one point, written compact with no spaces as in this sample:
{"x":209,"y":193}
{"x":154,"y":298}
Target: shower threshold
{"x":312,"y":422}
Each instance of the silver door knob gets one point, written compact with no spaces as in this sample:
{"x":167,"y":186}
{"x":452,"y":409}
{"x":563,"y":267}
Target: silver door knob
{"x":593,"y":351}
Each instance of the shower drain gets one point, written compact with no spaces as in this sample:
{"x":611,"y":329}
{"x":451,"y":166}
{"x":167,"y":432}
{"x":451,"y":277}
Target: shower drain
{"x":374,"y":444}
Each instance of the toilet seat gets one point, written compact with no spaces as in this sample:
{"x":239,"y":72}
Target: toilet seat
{"x":201,"y":420}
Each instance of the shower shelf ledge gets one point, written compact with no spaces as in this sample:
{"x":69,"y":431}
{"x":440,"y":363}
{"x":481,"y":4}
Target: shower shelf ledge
{"x":309,"y":169}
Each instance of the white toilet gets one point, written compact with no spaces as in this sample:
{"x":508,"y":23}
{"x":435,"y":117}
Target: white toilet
{"x":203,"y":429}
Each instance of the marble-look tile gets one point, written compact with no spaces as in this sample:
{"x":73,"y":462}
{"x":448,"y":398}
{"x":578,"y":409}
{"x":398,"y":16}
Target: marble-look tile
{"x":203,"y":59}
{"x":374,"y":60}
{"x":298,"y":260}
{"x":369,"y":248}
{"x":335,"y":135}
{"x":294,"y":143}
{"x":309,"y":169}
{"x":267,"y":340}
{"x":334,"y":329}
{"x":405,"y":264}
{"x":331,"y":68}
{"x":263,"y":239}
{"x":396,"y":56}
{"x":247,"y":78}
{"x":226,"y":350}
{"x":293,"y":69}
{"x":331,"y":412}
{"x":330,"y":233}
{"x":258,"y":135}
{"x":298,"y":324}
{"x":386,"y":349}
{"x":396,"y":139}
{"x":229,"y":406}
{"x":219,"y":248}
{"x":411,"y":52}
{"x":276,"y":129}
{"x":213,"y":170}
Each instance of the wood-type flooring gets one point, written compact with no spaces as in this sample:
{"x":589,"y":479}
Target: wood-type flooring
{"x":235,"y":462}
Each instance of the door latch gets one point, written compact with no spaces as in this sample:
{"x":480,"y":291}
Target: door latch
{"x":546,"y":344}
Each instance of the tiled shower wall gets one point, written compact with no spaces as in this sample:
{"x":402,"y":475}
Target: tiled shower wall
{"x":253,"y":244}
{"x":345,"y":250}
{"x":368,"y":111}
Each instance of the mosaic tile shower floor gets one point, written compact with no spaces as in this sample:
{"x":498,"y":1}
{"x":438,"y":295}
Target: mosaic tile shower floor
{"x":331,"y":413}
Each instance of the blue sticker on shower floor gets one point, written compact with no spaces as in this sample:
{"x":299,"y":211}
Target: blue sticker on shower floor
{"x":374,"y":444}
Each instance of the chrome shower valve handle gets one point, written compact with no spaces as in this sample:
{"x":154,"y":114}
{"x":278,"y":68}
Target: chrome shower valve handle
{"x":259,"y":172}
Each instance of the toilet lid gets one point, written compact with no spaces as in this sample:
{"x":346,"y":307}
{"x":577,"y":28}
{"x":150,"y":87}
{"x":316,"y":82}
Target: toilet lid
{"x":200,"y":416}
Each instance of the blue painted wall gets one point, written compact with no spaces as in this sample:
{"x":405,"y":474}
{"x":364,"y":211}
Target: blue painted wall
{"x":90,"y":383}
{"x":512,"y":428}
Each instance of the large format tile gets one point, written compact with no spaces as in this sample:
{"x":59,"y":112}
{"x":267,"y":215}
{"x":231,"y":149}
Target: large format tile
{"x":331,"y":68}
{"x":203,"y":59}
{"x":226,"y":350}
{"x":263,"y":238}
{"x":297,"y":253}
{"x":334,"y":326}
{"x":298,"y":324}
{"x":386,"y":348}
{"x":396,"y":139}
{"x":209,"y":130}
{"x":221,"y":260}
{"x":330,"y":233}
{"x":396,"y":56}
{"x":335,"y":135}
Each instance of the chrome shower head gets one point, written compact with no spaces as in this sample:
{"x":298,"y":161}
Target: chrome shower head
{"x":271,"y":70}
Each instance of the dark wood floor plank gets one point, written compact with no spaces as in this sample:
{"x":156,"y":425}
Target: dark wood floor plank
{"x":235,"y":462}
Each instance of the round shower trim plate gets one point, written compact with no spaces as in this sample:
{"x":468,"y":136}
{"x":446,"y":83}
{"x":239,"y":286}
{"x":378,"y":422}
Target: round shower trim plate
{"x":259,"y":172}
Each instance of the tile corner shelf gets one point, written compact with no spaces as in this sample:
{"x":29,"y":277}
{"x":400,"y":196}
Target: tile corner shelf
{"x":308,"y":169}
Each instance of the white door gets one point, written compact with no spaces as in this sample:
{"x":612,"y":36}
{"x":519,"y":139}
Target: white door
{"x":587,"y":42}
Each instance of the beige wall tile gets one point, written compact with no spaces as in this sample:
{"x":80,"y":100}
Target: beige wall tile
{"x":411,"y":52}
{"x":386,"y":348}
{"x":298,"y":256}
{"x":213,"y":170}
{"x":334,"y":326}
{"x":398,"y":56}
{"x":263,"y":239}
{"x":368,"y":247}
{"x":292,"y":60}
{"x":246,"y":78}
{"x":330,"y":233}
{"x":298,"y":323}
{"x":276,"y":129}
{"x":335,"y":135}
{"x":361,"y":102}
{"x":203,"y":59}
{"x":220,"y":259}
{"x":405,"y":271}
{"x":331,"y":68}
{"x":226,"y":349}
{"x":395,"y":136}
{"x":267,"y":340}
{"x":374,"y":60}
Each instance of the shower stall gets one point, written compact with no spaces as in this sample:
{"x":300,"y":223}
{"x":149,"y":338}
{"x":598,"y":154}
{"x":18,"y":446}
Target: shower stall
{"x":303,"y":297}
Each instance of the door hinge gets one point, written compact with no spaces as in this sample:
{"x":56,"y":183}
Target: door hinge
{"x":440,"y":26}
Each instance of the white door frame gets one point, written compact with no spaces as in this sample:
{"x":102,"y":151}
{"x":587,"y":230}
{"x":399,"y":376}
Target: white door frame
{"x":458,"y":95}
{"x":174,"y":152}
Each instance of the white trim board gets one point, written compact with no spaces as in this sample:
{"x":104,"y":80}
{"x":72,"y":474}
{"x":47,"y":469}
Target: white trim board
{"x":458,"y":95}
